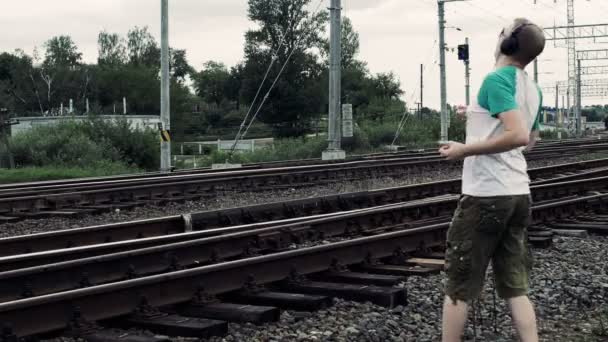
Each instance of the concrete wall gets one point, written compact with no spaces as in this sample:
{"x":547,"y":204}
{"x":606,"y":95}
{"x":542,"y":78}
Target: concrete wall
{"x":136,"y":121}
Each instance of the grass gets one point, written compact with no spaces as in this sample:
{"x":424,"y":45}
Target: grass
{"x":32,"y":174}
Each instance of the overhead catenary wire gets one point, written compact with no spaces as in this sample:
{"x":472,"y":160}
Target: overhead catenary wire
{"x":241,"y":134}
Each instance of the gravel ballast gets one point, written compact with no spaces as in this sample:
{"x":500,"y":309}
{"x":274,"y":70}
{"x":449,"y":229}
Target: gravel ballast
{"x":569,"y":288}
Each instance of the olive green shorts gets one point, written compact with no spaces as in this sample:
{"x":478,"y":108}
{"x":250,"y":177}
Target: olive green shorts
{"x":486,"y":229}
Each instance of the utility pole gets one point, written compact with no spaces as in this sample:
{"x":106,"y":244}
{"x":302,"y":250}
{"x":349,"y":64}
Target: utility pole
{"x":568,"y":111}
{"x":444,"y":95}
{"x":467,"y":75}
{"x":578,"y":107}
{"x":165,"y":107}
{"x":558,"y":124}
{"x":536,"y":71}
{"x":334,"y":150}
{"x":442,"y":69}
{"x":421,"y":88}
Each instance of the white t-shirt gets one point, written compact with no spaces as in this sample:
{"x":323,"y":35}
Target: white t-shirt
{"x":502,"y":174}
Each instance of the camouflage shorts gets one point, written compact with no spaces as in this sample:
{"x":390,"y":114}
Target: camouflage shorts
{"x":488,"y":229}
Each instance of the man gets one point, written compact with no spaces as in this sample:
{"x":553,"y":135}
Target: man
{"x":490,"y":223}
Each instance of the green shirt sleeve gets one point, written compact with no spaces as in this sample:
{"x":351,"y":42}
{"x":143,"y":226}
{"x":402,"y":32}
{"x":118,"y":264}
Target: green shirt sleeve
{"x":536,"y":125}
{"x":497,"y":93}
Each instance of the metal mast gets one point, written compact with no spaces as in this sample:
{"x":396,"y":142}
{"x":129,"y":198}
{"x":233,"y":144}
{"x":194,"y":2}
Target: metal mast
{"x":165,"y":106}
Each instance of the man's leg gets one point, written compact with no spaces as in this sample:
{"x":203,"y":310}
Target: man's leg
{"x":524,"y":318}
{"x":512,"y":264}
{"x":471,"y":240}
{"x":454,"y":319}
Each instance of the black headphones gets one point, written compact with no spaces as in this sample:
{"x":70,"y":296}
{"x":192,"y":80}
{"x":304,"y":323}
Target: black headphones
{"x":510,"y":45}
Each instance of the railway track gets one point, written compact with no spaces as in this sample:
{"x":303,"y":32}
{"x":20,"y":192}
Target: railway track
{"x":67,"y":198}
{"x":378,"y":255}
{"x":590,"y":174}
{"x":265,"y":165}
{"x":377,"y":241}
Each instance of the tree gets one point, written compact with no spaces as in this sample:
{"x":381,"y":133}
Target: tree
{"x":350,"y":44}
{"x":387,"y":86}
{"x":291,"y":103}
{"x":211,"y":82}
{"x":61,"y":52}
{"x":234,"y":84}
{"x":142,"y":48}
{"x":179,"y":66}
{"x":15,"y":69}
{"x":112,"y":49}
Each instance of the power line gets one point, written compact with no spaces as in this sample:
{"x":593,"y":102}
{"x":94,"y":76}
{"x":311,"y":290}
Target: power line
{"x":241,"y":134}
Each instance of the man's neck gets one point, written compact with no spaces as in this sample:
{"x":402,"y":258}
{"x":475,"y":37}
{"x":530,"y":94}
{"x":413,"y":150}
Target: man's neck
{"x":504,"y":61}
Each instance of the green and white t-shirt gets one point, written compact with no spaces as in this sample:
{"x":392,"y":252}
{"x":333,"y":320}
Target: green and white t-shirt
{"x":502,"y":174}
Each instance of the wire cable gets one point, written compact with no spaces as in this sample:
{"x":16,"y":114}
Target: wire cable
{"x":241,"y":134}
{"x":267,"y":95}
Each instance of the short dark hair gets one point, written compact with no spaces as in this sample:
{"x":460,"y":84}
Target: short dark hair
{"x":531,"y":41}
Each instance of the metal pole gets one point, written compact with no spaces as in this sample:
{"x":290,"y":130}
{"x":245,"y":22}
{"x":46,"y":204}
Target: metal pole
{"x":165,"y":114}
{"x":334,"y":130}
{"x":467,"y":75}
{"x":578,"y":110}
{"x":444,"y":109}
{"x":558,"y":124}
{"x":568,"y":110}
{"x":421,"y":88}
{"x":536,"y":70}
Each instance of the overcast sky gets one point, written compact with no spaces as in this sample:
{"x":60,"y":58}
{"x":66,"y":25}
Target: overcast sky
{"x":396,"y":35}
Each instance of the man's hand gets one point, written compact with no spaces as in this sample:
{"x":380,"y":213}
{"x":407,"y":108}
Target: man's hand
{"x":453,"y":150}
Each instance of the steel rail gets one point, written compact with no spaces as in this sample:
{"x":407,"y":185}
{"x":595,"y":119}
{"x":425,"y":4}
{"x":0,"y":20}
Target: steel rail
{"x":180,"y":187}
{"x":51,"y":278}
{"x":283,"y":210}
{"x":263,"y":165}
{"x":54,"y":311}
{"x":75,"y":267}
{"x":283,"y":231}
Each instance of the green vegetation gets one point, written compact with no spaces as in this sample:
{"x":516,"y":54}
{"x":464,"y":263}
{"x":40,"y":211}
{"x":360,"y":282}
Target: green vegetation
{"x":370,"y":136}
{"x":79,"y":149}
{"x":31,"y":174}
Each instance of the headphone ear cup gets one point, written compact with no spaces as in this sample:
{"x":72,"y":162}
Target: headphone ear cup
{"x":509,"y":46}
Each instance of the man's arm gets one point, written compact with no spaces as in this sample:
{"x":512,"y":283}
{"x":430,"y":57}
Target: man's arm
{"x":534,"y":135}
{"x":515,"y":135}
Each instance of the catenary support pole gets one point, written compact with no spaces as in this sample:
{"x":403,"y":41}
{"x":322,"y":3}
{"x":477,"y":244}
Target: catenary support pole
{"x":334,"y":137}
{"x":165,"y":114}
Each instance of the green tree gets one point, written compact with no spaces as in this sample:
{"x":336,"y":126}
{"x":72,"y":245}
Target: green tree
{"x":211,"y":82}
{"x":296,"y":99}
{"x":350,"y":45}
{"x":17,"y":85}
{"x":112,"y":49}
{"x":387,"y":86}
{"x":234,"y":84}
{"x":61,"y":52}
{"x":142,"y":48}
{"x":180,"y":68}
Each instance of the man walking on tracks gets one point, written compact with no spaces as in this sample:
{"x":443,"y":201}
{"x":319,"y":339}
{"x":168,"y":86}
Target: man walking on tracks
{"x":490,"y":223}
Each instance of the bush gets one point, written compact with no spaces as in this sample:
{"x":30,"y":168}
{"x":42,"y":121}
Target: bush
{"x":284,"y":149}
{"x":83,"y":144}
{"x":416,"y":132}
